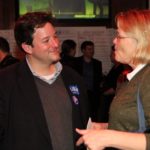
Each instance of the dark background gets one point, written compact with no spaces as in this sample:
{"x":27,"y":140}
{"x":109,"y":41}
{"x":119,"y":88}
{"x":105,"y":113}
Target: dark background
{"x":9,"y":13}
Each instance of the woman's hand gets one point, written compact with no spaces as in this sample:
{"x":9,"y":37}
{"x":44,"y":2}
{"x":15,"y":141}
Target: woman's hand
{"x":98,"y":139}
{"x":93,"y":138}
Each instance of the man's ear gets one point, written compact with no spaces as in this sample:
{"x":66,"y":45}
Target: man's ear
{"x":27,"y":48}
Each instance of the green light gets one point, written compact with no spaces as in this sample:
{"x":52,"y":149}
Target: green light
{"x":84,"y":16}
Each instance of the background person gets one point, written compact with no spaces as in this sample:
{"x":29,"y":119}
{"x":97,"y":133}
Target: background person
{"x":91,"y":71}
{"x":132,"y":47}
{"x":6,"y":58}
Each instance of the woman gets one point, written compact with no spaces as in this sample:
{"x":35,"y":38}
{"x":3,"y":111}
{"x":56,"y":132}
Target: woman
{"x":132,"y":47}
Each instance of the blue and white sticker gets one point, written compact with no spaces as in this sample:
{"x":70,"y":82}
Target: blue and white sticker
{"x":74,"y":89}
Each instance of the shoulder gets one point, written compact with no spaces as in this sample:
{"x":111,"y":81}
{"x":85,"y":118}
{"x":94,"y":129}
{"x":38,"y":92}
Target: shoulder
{"x":68,"y":71}
{"x":79,"y":58}
{"x":11,"y":71}
{"x":8,"y":77}
{"x":69,"y":75}
{"x":10,"y":59}
{"x":96,"y":61}
{"x":144,"y":76}
{"x":142,"y":81}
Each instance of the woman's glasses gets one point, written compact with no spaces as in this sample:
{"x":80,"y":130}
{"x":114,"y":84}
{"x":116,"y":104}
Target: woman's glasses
{"x":118,"y":37}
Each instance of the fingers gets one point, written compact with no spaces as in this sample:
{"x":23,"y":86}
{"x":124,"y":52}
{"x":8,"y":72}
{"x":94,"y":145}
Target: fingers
{"x":80,"y":141}
{"x":81,"y":132}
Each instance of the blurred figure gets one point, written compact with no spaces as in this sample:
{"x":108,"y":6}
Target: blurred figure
{"x":6,"y":58}
{"x":68,"y":51}
{"x":91,"y":71}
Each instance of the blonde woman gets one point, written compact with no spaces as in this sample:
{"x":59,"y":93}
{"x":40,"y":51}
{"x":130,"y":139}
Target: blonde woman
{"x":132,"y":47}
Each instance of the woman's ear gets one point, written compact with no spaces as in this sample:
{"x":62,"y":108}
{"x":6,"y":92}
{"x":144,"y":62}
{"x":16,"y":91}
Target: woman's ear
{"x":27,"y":48}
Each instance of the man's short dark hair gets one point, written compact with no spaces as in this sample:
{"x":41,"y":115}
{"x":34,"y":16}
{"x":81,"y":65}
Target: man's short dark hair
{"x":25,"y":26}
{"x":4,"y":45}
{"x":85,"y":44}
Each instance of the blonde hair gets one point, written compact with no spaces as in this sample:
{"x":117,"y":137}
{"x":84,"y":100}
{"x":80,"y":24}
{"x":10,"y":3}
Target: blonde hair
{"x":136,"y":23}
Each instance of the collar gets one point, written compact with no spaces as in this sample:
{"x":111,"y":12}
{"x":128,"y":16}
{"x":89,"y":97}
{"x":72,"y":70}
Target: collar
{"x":135,"y":71}
{"x":49,"y":78}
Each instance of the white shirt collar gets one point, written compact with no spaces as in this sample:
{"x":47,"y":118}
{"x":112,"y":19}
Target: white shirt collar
{"x":135,"y":71}
{"x":49,"y":78}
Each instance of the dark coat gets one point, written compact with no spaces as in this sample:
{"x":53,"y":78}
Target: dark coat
{"x":22,"y":121}
{"x":97,"y":70}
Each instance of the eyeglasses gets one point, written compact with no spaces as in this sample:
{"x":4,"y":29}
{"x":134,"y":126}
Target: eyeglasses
{"x":123,"y":37}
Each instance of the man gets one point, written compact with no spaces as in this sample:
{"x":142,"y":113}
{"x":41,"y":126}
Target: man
{"x":41,"y":103}
{"x":91,"y":70}
{"x":6,"y":58}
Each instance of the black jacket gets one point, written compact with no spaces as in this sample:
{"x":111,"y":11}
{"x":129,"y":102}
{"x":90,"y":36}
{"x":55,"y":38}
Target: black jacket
{"x":97,"y":70}
{"x":93,"y":95}
{"x":22,"y":122}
